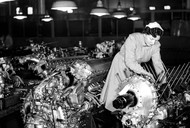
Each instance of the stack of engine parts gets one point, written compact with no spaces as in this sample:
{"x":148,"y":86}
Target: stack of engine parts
{"x":147,"y":104}
{"x":9,"y":81}
{"x":175,"y":97}
{"x":37,"y":62}
{"x":68,"y":93}
{"x":72,"y":87}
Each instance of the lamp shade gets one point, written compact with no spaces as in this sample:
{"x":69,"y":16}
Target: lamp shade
{"x":19,"y":14}
{"x":47,"y":18}
{"x":99,"y":10}
{"x":64,"y":5}
{"x":20,"y":17}
{"x":119,"y":13}
{"x":134,"y":17}
{"x":1,"y":1}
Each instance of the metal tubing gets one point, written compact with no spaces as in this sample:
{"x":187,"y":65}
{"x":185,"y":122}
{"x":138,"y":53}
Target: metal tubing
{"x":182,"y":75}
{"x":146,"y":67}
{"x":174,"y":73}
{"x":169,"y":74}
{"x":177,"y":76}
{"x":167,"y":70}
{"x":185,"y":75}
{"x":160,"y":77}
{"x":187,"y":78}
{"x":152,"y":71}
{"x":168,"y":84}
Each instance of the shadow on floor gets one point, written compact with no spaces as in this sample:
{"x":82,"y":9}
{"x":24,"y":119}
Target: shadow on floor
{"x":13,"y":120}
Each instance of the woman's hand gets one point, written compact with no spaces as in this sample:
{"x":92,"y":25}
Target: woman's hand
{"x":162,"y":78}
{"x":149,"y":77}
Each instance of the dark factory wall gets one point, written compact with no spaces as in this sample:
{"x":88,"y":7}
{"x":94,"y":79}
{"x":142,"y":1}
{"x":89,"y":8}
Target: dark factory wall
{"x":175,"y":50}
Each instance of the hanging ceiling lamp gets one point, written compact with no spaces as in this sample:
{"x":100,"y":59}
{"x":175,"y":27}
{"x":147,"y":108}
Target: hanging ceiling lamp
{"x":1,"y":1}
{"x":19,"y":14}
{"x":100,"y":10}
{"x":64,"y":5}
{"x":20,"y":17}
{"x":47,"y":17}
{"x":133,"y":16}
{"x":119,"y":13}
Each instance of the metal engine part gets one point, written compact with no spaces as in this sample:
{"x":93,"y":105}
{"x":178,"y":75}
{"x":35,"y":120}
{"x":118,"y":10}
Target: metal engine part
{"x":61,"y":99}
{"x":100,"y":68}
{"x":143,"y":113}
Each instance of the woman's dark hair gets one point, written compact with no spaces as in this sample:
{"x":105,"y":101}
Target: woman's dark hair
{"x":153,"y":31}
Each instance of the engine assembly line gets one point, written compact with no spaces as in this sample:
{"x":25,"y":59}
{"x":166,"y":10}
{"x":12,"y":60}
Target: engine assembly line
{"x":65,"y":93}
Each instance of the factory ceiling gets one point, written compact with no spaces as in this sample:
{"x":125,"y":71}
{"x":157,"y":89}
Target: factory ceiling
{"x":82,"y":14}
{"x":85,"y":6}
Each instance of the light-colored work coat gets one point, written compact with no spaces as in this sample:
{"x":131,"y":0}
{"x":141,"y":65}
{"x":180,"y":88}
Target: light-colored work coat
{"x":133,"y":52}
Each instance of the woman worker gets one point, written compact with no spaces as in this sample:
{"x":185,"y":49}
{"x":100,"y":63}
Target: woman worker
{"x":137,"y":48}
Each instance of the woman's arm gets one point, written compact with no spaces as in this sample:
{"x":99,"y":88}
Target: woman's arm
{"x":130,"y":58}
{"x":158,"y":64}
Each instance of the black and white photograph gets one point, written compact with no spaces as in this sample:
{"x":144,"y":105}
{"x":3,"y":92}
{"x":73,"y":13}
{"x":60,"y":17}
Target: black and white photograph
{"x":94,"y":64}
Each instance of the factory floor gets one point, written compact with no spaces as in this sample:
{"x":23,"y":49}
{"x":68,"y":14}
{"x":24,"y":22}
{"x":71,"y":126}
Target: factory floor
{"x":13,"y":120}
{"x":102,"y":119}
{"x":99,"y":120}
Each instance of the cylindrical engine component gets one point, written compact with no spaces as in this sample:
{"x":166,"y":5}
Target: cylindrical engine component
{"x":129,"y":99}
{"x":137,"y":98}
